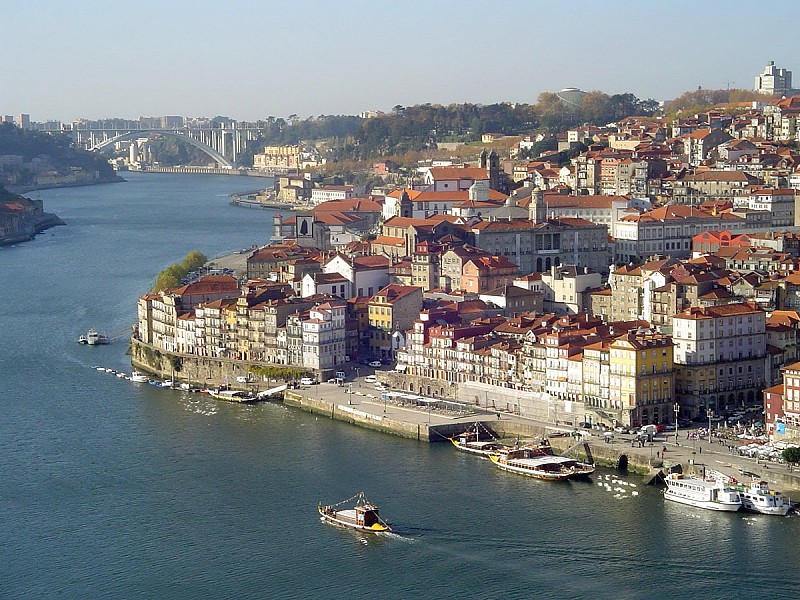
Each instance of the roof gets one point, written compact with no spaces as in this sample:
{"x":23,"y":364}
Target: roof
{"x":444,"y":173}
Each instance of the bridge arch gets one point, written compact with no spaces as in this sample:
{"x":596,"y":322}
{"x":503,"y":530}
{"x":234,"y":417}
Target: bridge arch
{"x":221,"y":160}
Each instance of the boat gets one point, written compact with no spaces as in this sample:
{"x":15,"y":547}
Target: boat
{"x":541,"y":463}
{"x":361,"y":516}
{"x":702,"y":493}
{"x":138,"y":377}
{"x":759,"y":498}
{"x":93,"y":338}
{"x":470,"y":441}
{"x":233,"y":396}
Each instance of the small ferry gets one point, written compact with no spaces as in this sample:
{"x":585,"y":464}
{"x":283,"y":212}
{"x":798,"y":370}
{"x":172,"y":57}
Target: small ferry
{"x":361,"y":516}
{"x":93,"y":338}
{"x":470,"y":442}
{"x":759,"y":498}
{"x":701,"y":493}
{"x":541,"y":463}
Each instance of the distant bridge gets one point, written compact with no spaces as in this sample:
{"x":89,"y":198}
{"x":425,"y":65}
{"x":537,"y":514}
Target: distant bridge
{"x":221,"y":144}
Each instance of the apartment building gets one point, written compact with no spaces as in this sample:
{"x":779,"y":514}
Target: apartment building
{"x":720,"y":357}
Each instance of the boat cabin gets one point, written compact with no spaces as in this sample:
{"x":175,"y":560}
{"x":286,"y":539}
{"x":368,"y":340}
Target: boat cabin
{"x":367,"y":515}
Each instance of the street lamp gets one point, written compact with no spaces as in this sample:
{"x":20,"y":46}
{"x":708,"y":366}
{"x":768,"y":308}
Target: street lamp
{"x":709,"y":413}
{"x":677,"y":412}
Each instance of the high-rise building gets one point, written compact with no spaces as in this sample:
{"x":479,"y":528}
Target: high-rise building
{"x":774,"y":81}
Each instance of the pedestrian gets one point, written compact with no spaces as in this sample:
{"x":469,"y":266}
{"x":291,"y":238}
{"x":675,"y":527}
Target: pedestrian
{"x":701,"y":449}
{"x":658,"y":454}
{"x":663,"y":450}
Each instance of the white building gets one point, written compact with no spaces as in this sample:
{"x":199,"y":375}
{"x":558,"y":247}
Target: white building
{"x":774,"y":81}
{"x":324,"y":333}
{"x":779,"y":203}
{"x":563,"y":288}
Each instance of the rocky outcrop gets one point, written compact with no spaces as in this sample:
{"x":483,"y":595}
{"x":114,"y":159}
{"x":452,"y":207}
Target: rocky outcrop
{"x":22,"y":218}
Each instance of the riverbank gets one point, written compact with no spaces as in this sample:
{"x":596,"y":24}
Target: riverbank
{"x":363,"y":405}
{"x":25,"y":189}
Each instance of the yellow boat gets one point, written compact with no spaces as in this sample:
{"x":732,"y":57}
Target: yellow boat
{"x":361,"y":516}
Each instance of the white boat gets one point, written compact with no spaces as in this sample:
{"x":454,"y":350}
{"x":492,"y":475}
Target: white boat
{"x":757,"y":497}
{"x":93,"y":338}
{"x":539,"y":462}
{"x":138,"y":377}
{"x":702,"y":493}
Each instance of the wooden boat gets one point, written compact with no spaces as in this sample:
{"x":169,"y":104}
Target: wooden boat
{"x":470,"y":441}
{"x":541,"y":463}
{"x":361,"y":516}
{"x":233,"y":396}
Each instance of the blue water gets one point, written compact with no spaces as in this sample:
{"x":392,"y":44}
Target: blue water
{"x":110,"y":489}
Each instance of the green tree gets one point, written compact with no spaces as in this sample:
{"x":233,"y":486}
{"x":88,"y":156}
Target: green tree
{"x":194,"y":260}
{"x":791,"y":455}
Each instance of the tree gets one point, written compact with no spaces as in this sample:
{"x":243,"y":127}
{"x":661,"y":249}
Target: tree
{"x":791,"y":455}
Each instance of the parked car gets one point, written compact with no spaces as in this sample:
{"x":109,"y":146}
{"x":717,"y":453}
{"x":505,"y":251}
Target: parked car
{"x":621,"y":429}
{"x":370,"y":379}
{"x":375,"y":364}
{"x":307,"y":381}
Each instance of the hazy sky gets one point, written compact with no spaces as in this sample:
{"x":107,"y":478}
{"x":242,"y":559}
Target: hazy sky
{"x":64,"y":59}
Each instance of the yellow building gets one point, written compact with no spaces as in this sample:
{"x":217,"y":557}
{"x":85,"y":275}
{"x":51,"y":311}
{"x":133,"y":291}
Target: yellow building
{"x":391,"y":313}
{"x":642,"y":380}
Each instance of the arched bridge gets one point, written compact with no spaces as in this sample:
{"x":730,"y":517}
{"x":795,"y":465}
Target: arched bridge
{"x":120,"y":137}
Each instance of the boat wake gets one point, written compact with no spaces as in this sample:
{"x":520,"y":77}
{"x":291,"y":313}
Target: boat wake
{"x":393,"y":535}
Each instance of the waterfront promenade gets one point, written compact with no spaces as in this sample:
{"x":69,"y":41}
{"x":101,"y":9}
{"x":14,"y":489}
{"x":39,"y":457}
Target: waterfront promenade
{"x":361,"y":404}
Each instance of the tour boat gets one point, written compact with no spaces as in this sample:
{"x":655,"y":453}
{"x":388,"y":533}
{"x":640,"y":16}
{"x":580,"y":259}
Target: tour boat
{"x":701,"y":493}
{"x":138,"y":377}
{"x":540,"y":462}
{"x":469,"y":442}
{"x":92,"y":338}
{"x":233,"y":396}
{"x":757,"y":497}
{"x":361,"y":516}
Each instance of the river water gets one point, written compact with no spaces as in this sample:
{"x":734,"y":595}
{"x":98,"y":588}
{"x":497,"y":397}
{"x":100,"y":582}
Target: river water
{"x":111,"y":489}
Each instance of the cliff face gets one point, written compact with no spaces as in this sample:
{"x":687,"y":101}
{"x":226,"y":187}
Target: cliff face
{"x":22,"y":218}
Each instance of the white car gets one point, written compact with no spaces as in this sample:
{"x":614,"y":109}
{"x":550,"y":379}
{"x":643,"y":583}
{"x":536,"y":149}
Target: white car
{"x":370,"y":379}
{"x":375,"y":363}
{"x":306,"y":381}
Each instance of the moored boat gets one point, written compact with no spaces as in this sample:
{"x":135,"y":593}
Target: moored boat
{"x":759,"y":498}
{"x":470,"y":441}
{"x":138,"y":377}
{"x":702,"y":493}
{"x":541,"y":463}
{"x":361,"y":516}
{"x":233,"y":396}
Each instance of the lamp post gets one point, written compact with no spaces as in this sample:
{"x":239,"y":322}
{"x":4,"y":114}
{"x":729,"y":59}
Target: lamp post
{"x":709,"y":413}
{"x":677,"y":412}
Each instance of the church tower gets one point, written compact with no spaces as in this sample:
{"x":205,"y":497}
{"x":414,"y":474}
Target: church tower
{"x":493,"y":170}
{"x":537,"y":210}
{"x":405,"y":205}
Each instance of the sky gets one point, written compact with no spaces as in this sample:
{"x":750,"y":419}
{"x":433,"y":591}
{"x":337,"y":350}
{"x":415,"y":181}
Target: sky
{"x":250,"y":59}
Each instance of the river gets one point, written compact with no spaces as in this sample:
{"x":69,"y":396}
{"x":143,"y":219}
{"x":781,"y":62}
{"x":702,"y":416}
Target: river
{"x":112,"y":489}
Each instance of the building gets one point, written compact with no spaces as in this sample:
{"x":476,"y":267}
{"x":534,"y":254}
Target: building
{"x":392,"y":311}
{"x":720,"y":357}
{"x":774,"y":81}
{"x":564,"y":288}
{"x":641,"y":378}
